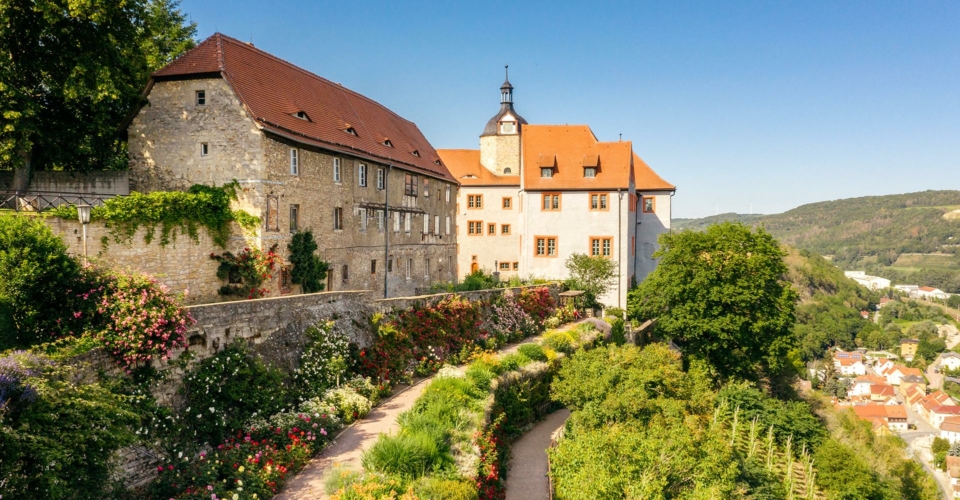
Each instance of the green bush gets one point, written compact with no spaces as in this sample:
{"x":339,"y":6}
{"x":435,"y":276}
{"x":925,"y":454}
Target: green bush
{"x":227,"y":389}
{"x":532,"y":351}
{"x":324,"y":360}
{"x":38,"y":283}
{"x":309,"y":270}
{"x":562,"y":341}
{"x":350,"y":405}
{"x":446,"y":489}
{"x":408,"y":455}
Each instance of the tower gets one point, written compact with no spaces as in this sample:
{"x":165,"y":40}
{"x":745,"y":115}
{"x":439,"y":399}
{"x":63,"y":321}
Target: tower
{"x":500,"y":140}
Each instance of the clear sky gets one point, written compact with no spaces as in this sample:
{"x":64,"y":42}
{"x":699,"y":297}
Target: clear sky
{"x":769,"y":103}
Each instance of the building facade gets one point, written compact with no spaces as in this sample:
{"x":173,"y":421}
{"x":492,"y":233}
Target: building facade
{"x":533,"y":195}
{"x":307,"y":154}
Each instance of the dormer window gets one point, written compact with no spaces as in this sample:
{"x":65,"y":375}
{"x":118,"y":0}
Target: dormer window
{"x":387,"y":143}
{"x":589,"y":171}
{"x":350,"y":130}
{"x":302,"y":115}
{"x":546,"y":172}
{"x":416,"y":153}
{"x":508,"y":127}
{"x":437,"y":162}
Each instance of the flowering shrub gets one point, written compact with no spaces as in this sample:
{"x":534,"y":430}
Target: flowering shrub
{"x":349,"y":404}
{"x":488,"y":480}
{"x":227,"y":389}
{"x":512,"y":321}
{"x":567,"y":314}
{"x":245,"y":273}
{"x":133,"y":315}
{"x":16,"y":392}
{"x":324,"y":360}
{"x":537,"y":302}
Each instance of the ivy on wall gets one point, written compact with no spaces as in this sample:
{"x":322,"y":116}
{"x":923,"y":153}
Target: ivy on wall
{"x":206,"y":206}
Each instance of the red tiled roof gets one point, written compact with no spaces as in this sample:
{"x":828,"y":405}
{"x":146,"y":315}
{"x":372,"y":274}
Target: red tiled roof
{"x":946,"y":410}
{"x":274,"y":91}
{"x":648,"y":180}
{"x":465,"y":165}
{"x":567,"y":146}
{"x":951,"y":424}
{"x":882,"y":390}
{"x":928,"y":289}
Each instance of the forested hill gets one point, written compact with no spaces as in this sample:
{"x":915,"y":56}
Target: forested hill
{"x":910,"y":237}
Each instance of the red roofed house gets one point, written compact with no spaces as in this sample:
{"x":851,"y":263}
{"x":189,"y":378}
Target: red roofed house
{"x":950,"y":429}
{"x":882,"y":393}
{"x":861,"y":385}
{"x":953,"y":471}
{"x":939,"y":413}
{"x":532,"y":195}
{"x":893,"y":417}
{"x":307,"y":153}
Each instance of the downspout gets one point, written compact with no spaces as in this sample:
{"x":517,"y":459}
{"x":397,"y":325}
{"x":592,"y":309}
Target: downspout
{"x":386,"y":230}
{"x":619,"y":241}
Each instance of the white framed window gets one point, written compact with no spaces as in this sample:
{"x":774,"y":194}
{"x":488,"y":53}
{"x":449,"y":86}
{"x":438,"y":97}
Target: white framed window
{"x":336,"y":170}
{"x":381,"y":177}
{"x":426,"y":187}
{"x":448,"y":225}
{"x":362,"y":175}
{"x":436,"y":224}
{"x":426,"y":268}
{"x":448,"y":193}
{"x":294,"y":162}
{"x":396,"y":222}
{"x":380,"y":220}
{"x":406,"y":222}
{"x":363,"y":219}
{"x":204,"y":149}
{"x":589,"y":171}
{"x":409,"y":268}
{"x":201,"y":97}
{"x":426,"y":223}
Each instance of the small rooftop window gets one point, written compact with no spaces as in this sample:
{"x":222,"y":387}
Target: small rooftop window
{"x":350,"y":130}
{"x":387,"y":143}
{"x":302,"y":115}
{"x":416,"y":153}
{"x":437,"y":162}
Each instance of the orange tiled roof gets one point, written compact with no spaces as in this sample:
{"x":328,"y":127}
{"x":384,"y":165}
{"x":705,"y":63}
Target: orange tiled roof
{"x":273,"y":91}
{"x":566,"y":147}
{"x":871,"y":379}
{"x":896,"y":411}
{"x":951,"y":424}
{"x":870,"y":411}
{"x":882,"y":390}
{"x":946,"y":410}
{"x":465,"y":165}
{"x":648,"y":180}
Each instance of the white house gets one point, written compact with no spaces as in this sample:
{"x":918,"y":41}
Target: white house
{"x":949,"y":360}
{"x":533,"y":195}
{"x":928,"y":293}
{"x":850,"y":367}
{"x":871,"y":282}
{"x":950,"y":429}
{"x":862,"y":385}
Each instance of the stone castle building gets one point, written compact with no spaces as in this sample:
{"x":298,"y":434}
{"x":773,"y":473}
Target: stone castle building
{"x":307,"y":153}
{"x":533,"y":195}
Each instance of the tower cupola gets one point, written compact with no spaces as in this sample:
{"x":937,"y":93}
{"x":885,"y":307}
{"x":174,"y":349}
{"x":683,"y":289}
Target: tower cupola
{"x":506,"y":121}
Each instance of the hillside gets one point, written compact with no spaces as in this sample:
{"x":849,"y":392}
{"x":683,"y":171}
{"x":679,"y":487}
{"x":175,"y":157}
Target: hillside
{"x":909,"y":238}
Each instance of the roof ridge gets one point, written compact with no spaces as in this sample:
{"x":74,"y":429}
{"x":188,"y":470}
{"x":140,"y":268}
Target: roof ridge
{"x":254,"y":48}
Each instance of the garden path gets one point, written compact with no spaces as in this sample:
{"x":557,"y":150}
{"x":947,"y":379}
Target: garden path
{"x":527,"y":472}
{"x":347,"y":450}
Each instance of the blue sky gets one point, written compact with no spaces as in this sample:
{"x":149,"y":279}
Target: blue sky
{"x":769,"y":103}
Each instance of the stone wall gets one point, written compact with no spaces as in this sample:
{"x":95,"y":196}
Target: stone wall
{"x":100,"y":182}
{"x":500,"y":152}
{"x":184,"y":265}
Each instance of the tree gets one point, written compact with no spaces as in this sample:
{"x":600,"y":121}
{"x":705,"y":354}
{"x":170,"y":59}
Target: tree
{"x":720,"y":295}
{"x":593,"y":275}
{"x":309,"y":270}
{"x":71,"y":71}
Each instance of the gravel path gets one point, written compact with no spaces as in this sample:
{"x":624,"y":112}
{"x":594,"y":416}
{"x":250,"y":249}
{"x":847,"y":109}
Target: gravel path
{"x":347,"y":451}
{"x":527,"y":472}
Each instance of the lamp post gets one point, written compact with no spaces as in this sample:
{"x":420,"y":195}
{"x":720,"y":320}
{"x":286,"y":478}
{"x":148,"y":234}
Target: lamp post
{"x":83,"y":213}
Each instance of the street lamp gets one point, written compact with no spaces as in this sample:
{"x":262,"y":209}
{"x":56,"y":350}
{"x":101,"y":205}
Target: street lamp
{"x":83,"y":213}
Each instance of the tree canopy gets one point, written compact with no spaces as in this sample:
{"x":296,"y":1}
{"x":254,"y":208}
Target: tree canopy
{"x":593,"y":275}
{"x":721,"y":296}
{"x":71,"y":71}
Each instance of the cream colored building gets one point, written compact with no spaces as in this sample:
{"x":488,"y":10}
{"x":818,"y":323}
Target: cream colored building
{"x":533,"y":195}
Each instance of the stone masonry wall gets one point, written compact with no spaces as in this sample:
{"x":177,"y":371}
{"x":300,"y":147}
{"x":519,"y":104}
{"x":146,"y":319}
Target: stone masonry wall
{"x":98,"y":182}
{"x":498,"y":152}
{"x":184,"y":265}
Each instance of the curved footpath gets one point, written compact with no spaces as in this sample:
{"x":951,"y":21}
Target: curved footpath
{"x":527,"y":472}
{"x":347,"y":450}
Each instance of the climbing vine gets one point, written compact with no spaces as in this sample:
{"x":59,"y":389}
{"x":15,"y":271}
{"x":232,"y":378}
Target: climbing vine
{"x":245,"y":273}
{"x":206,"y":206}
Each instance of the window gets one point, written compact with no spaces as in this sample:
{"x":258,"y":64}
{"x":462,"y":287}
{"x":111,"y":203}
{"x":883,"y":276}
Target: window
{"x":426,"y":223}
{"x":546,"y":172}
{"x":426,"y":268}
{"x":410,"y":185}
{"x":373,"y":266}
{"x":505,"y":229}
{"x":649,"y":204}
{"x":516,"y":266}
{"x":475,"y":228}
{"x":551,"y":202}
{"x":344,"y":273}
{"x":507,"y":202}
{"x":303,"y":116}
{"x":396,"y":222}
{"x":436,"y":224}
{"x":350,"y":130}
{"x":336,"y":170}
{"x":362,"y":175}
{"x":380,"y":220}
{"x":409,"y":268}
{"x":406,"y":222}
{"x":545,"y":246}
{"x":294,"y":162}
{"x":448,"y":193}
{"x":390,"y":264}
{"x":507,"y":171}
{"x":426,"y":187}
{"x":474,"y":201}
{"x":601,"y":246}
{"x":294,"y":218}
{"x":387,"y":143}
{"x":448,"y":224}
{"x":380,"y":178}
{"x":201,"y":97}
{"x":338,"y":219}
{"x":504,"y":266}
{"x":598,"y":201}
{"x":204,"y":149}
{"x":364,"y":215}
{"x":491,"y":229}
{"x":589,"y":171}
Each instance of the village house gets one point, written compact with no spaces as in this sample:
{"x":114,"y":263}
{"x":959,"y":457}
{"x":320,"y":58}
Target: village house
{"x":861,"y":385}
{"x":895,"y":373}
{"x":894,"y":417}
{"x":871,"y":282}
{"x":949,"y":360}
{"x":950,"y":429}
{"x":936,"y":406}
{"x":908,"y":348}
{"x":308,"y":154}
{"x":849,"y":363}
{"x":909,"y":382}
{"x":533,"y":195}
{"x":930,"y":293}
{"x":953,"y":471}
